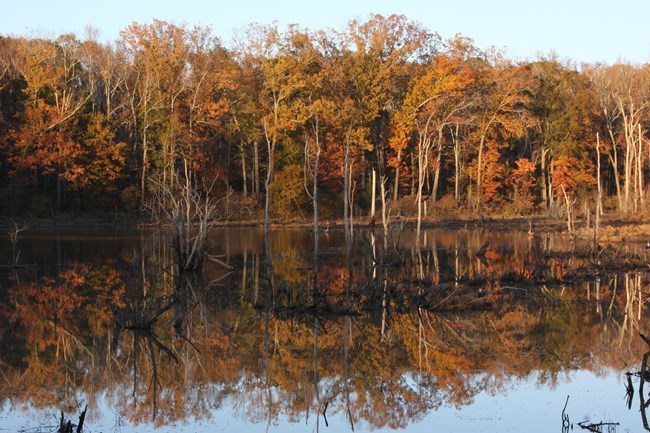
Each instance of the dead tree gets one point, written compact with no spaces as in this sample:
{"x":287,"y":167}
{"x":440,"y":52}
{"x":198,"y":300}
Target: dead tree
{"x":191,"y":211}
{"x":14,"y":237}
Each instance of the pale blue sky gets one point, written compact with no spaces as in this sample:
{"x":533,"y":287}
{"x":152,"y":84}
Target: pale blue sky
{"x":580,"y":30}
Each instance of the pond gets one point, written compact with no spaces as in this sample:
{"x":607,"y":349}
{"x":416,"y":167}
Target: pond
{"x":392,"y":333}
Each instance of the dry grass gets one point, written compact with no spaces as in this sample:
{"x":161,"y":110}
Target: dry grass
{"x":628,"y":232}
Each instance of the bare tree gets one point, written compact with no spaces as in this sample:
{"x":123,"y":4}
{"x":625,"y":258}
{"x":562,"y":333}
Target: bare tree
{"x":14,"y":237}
{"x":192,"y":211}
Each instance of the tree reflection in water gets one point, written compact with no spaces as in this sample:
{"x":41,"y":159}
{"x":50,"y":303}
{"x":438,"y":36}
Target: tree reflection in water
{"x":384,"y":338}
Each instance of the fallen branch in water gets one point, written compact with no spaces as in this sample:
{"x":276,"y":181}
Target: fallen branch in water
{"x":597,"y":427}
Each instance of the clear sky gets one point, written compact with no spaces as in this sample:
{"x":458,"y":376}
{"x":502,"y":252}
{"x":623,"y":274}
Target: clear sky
{"x":580,"y":30}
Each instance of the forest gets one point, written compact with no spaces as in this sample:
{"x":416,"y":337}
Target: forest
{"x":384,"y":113}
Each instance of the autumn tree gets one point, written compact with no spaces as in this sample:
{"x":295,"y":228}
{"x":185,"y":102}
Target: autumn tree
{"x":281,"y":64}
{"x":435,"y":100}
{"x":566,"y":109}
{"x":624,"y":97}
{"x":246,"y":110}
{"x":381,"y":55}
{"x":10,"y":57}
{"x":11,"y":103}
{"x":46,"y":143}
{"x":501,"y":114}
{"x":523,"y":182}
{"x":206,"y":123}
{"x":569,"y":176}
{"x":158,"y":53}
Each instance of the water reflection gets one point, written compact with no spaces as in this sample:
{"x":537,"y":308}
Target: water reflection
{"x":305,"y":336}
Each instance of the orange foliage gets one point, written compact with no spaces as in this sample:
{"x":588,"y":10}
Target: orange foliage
{"x":569,"y":174}
{"x":523,"y":180}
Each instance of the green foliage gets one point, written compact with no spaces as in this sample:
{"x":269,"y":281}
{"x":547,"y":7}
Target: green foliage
{"x":565,"y":105}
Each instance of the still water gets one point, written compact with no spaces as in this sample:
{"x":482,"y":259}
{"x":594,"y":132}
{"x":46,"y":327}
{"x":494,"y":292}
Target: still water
{"x":395,"y":333}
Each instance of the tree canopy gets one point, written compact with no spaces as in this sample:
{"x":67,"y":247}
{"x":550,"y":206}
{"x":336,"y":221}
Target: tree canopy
{"x":86,"y":125}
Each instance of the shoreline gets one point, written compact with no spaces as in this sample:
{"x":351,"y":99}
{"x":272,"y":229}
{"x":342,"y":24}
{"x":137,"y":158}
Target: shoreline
{"x":615,"y":228}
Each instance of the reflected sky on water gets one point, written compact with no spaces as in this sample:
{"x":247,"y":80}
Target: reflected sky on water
{"x":524,"y":405}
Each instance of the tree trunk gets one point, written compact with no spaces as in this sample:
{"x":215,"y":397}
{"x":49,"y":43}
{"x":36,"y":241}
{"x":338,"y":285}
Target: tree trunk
{"x":569,"y":211}
{"x":384,"y":214}
{"x":346,"y":188}
{"x":545,"y":177}
{"x":639,"y":170}
{"x":599,"y":204}
{"x":628,"y":172}
{"x":423,"y":163}
{"x":256,"y":170}
{"x":270,"y":147}
{"x":243,"y":173}
{"x":456,"y":164}
{"x":436,"y":176}
{"x":143,"y":174}
{"x":373,"y":194}
{"x":479,"y":173}
{"x":396,"y":185}
{"x":314,"y":174}
{"x":613,"y":159}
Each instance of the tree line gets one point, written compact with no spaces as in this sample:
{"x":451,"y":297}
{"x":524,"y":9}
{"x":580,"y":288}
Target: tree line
{"x":384,"y":111}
